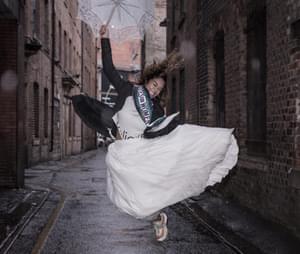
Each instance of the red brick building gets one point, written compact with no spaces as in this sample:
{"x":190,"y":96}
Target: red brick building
{"x":11,"y":93}
{"x":63,"y":64}
{"x":46,"y":56}
{"x":242,"y":71}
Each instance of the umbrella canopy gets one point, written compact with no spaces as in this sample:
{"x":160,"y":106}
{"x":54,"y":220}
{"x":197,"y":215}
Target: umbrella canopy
{"x":94,"y":113}
{"x":126,"y":18}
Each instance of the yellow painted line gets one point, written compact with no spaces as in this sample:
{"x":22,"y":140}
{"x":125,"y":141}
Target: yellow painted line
{"x":43,"y":236}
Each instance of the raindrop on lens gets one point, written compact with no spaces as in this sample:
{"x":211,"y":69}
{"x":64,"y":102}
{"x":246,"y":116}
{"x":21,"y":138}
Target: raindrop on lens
{"x":187,"y":50}
{"x":255,"y":63}
{"x":8,"y":81}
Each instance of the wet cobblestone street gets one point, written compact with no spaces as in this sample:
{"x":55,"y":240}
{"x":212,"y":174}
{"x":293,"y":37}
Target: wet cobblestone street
{"x":82,"y":219}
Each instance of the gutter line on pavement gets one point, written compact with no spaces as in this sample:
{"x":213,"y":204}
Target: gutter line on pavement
{"x":19,"y":230}
{"x":43,"y":236}
{"x":214,"y":231}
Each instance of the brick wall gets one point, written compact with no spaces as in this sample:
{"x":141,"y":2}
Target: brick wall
{"x":183,"y":39}
{"x":8,"y":103}
{"x":88,"y":80}
{"x":267,"y":184}
{"x":48,"y":68}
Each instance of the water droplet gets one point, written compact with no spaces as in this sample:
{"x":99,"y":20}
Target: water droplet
{"x":9,"y":81}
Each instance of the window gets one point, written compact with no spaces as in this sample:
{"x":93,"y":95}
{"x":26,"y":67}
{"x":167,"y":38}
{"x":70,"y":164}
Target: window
{"x":59,"y":41}
{"x":46,"y":23}
{"x":70,"y":120}
{"x":74,"y":61}
{"x":70,"y":56}
{"x":220,"y":86}
{"x":182,"y":13}
{"x":173,"y":15}
{"x":182,"y":96}
{"x":46,"y":98}
{"x":36,"y":110}
{"x":143,"y":52}
{"x":174,"y":95}
{"x":181,"y":7}
{"x":35,"y":18}
{"x":73,"y":124}
{"x":173,"y":42}
{"x":256,"y":82}
{"x":295,"y":28}
{"x":65,"y":50}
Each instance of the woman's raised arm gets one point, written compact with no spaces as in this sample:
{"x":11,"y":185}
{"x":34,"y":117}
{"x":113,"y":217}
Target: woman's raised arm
{"x":108,"y":67}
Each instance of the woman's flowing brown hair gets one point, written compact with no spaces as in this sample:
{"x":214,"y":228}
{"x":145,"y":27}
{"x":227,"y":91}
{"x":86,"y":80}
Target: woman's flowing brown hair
{"x":172,"y":62}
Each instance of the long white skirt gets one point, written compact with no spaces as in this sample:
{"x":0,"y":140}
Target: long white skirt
{"x":146,"y":175}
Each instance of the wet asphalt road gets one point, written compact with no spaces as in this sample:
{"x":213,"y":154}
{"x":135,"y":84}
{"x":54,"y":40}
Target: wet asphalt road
{"x":85,"y":221}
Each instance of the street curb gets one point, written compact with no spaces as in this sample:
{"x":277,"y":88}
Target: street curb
{"x":68,"y":162}
{"x":225,"y":235}
{"x":6,"y":244}
{"x":244,"y":229}
{"x":43,"y":235}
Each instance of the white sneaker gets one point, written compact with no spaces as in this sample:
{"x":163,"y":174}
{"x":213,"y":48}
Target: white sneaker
{"x":160,"y":227}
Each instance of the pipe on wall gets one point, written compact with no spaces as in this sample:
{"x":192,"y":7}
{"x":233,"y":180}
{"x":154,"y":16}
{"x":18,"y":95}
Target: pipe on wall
{"x":52,"y":74}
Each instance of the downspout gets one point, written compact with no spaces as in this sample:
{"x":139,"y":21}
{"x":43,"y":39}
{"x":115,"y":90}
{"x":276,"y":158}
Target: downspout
{"x":52,"y":75}
{"x":96,"y":69}
{"x":96,"y":79}
{"x":81,"y":88}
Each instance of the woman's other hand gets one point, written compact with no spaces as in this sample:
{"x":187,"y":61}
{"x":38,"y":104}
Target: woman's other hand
{"x":104,"y":33}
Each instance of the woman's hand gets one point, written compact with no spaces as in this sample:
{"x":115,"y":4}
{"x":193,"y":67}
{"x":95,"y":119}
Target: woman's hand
{"x":104,"y":33}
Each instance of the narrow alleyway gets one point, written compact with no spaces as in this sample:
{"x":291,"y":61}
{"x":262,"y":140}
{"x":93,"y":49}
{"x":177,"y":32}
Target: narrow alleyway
{"x":83,"y":220}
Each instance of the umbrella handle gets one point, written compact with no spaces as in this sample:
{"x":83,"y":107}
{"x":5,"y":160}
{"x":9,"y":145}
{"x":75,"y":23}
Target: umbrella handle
{"x":111,"y":15}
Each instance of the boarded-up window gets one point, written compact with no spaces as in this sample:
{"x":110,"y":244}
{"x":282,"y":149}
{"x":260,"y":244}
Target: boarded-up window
{"x":256,"y":82}
{"x":36,"y":110}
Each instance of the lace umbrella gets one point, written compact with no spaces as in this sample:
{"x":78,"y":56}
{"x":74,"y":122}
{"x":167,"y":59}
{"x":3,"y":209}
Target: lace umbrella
{"x":126,"y":18}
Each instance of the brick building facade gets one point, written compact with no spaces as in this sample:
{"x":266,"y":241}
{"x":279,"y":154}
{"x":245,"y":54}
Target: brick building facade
{"x":245,"y":75}
{"x":47,"y":55}
{"x":155,"y":35}
{"x":63,"y":64}
{"x":181,"y":36}
{"x":11,"y":93}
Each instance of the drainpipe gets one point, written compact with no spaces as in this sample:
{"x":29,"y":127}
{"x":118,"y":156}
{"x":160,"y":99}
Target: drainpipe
{"x":52,"y":75}
{"x":96,"y":78}
{"x":81,"y":89}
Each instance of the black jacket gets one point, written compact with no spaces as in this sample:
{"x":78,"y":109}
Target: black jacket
{"x":123,"y":87}
{"x":98,"y":115}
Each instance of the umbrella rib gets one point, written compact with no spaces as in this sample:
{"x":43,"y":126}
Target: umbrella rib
{"x":132,"y":5}
{"x":104,"y":4}
{"x":138,"y":7}
{"x":128,"y":13}
{"x":117,"y":2}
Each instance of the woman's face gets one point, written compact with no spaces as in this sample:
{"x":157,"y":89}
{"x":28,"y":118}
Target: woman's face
{"x":155,"y":86}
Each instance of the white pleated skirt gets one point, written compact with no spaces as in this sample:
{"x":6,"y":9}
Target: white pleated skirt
{"x":146,"y":175}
